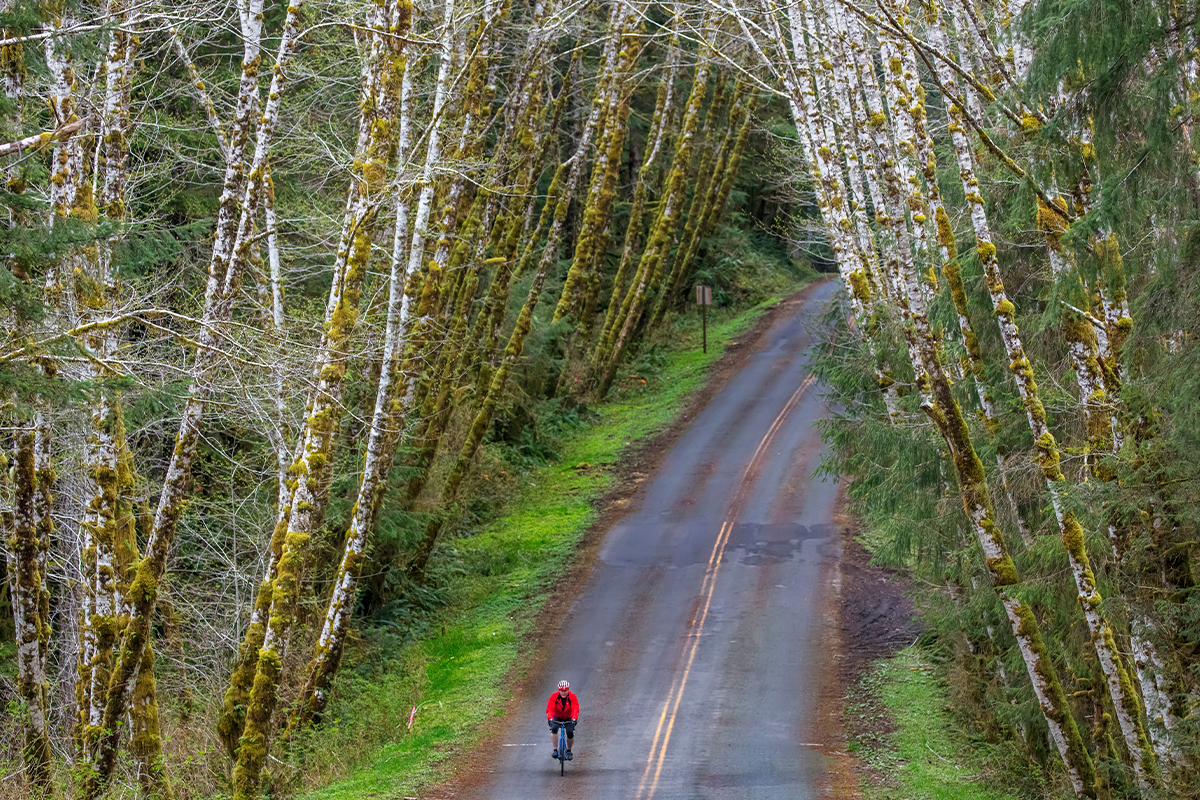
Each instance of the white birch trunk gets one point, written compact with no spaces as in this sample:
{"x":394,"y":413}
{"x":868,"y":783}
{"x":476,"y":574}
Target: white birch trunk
{"x":279,"y":398}
{"x":898,"y":81}
{"x":838,"y":128}
{"x":848,"y":79}
{"x":66,"y":160}
{"x":891,"y":212}
{"x":819,"y":153}
{"x":860,"y":266}
{"x":102,"y":512}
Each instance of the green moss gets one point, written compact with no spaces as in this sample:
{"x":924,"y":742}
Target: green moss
{"x":1073,"y":540}
{"x":945,"y":233}
{"x":1003,"y":571}
{"x":860,"y":287}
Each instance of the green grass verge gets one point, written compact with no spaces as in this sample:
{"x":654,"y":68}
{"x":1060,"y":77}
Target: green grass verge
{"x":456,"y":678}
{"x":913,"y":749}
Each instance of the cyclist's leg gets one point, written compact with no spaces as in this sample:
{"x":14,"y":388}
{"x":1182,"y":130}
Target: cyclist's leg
{"x":570,"y":726}
{"x":554,"y":737}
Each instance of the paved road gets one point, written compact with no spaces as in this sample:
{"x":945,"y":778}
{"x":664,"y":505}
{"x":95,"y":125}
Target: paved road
{"x":693,"y":646}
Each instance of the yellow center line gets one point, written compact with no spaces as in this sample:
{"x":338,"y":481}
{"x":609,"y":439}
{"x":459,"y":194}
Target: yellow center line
{"x":658,"y":751}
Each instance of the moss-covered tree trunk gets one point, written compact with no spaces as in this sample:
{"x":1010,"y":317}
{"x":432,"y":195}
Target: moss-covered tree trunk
{"x":702,"y":184}
{"x":1120,"y":687}
{"x":387,"y":422}
{"x":648,"y":276}
{"x":972,"y":364}
{"x":483,"y":417}
{"x":100,"y":622}
{"x":660,"y":124}
{"x":258,"y":188}
{"x":26,"y":587}
{"x":705,"y":215}
{"x":488,"y":328}
{"x":223,"y":278}
{"x":468,"y":206}
{"x":1104,"y":439}
{"x":110,"y":542}
{"x":615,"y":95}
{"x":856,"y":85}
{"x":12,"y":79}
{"x":383,"y":69}
{"x":568,"y":177}
{"x":145,"y":733}
{"x":67,"y":162}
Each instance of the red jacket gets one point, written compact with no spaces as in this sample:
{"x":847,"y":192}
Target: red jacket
{"x":562,"y":709}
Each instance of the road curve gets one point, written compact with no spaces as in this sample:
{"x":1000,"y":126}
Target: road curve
{"x":692,"y":647}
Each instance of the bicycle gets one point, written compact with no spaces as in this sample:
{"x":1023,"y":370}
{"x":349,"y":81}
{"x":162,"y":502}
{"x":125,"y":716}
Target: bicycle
{"x":562,"y":748}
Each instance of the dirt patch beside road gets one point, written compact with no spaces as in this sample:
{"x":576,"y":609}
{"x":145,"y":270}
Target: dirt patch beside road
{"x":870,"y":616}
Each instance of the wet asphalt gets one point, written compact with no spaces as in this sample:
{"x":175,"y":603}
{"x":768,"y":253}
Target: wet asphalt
{"x":694,"y":646}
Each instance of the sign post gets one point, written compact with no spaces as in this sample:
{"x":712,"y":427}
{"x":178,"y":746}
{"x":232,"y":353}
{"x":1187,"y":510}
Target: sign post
{"x":704,"y":300}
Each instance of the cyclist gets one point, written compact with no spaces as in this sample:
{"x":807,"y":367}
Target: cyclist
{"x":562,"y":710}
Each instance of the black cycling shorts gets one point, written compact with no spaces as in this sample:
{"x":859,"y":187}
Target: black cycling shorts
{"x":570,"y":726}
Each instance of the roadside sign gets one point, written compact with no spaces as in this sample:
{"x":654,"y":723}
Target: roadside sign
{"x":704,"y":300}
